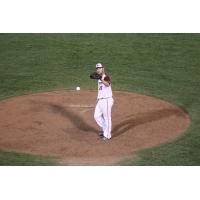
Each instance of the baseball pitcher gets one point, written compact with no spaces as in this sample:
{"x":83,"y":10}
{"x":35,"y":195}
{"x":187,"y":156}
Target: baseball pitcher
{"x":105,"y":101}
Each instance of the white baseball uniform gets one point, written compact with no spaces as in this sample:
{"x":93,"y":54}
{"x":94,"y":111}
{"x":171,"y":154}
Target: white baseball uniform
{"x":104,"y":105}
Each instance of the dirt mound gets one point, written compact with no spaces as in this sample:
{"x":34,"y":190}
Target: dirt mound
{"x":61,"y":124}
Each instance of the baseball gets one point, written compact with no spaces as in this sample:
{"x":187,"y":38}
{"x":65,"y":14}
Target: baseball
{"x":77,"y":88}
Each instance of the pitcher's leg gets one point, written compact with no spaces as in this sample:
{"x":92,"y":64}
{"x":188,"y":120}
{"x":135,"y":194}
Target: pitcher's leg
{"x":98,"y":116}
{"x":107,"y":130}
{"x":107,"y":116}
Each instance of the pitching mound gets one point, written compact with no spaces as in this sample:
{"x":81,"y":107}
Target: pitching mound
{"x":61,"y":124}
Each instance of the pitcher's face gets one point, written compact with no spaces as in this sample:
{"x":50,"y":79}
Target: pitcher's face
{"x":100,"y":70}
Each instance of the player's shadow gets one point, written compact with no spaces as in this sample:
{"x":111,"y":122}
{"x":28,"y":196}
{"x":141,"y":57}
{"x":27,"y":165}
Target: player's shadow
{"x":75,"y":119}
{"x":143,"y":118}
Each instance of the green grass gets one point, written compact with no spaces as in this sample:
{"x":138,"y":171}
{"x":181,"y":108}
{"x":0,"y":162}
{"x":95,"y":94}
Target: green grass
{"x":19,"y":159}
{"x":161,"y":65}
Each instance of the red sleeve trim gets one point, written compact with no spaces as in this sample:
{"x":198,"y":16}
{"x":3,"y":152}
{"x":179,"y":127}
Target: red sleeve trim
{"x":107,"y":78}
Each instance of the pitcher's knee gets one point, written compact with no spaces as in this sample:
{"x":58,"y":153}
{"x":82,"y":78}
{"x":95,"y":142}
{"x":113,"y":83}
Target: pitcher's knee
{"x":96,"y":117}
{"x":108,"y":119}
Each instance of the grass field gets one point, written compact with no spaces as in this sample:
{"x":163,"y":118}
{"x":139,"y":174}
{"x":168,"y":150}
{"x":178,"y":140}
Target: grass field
{"x":161,"y":65}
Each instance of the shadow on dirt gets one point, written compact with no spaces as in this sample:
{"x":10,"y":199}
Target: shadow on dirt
{"x":75,"y":119}
{"x":119,"y":129}
{"x":143,"y":118}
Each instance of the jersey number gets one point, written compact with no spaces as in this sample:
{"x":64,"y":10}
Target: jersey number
{"x":100,"y":87}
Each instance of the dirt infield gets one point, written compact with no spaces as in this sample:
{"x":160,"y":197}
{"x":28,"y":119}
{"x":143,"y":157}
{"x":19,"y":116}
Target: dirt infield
{"x":61,"y":124}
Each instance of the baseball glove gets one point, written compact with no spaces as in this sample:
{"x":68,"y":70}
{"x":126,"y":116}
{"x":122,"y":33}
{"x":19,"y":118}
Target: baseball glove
{"x":96,"y":76}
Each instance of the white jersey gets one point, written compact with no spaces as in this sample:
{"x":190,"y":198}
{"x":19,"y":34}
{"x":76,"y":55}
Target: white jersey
{"x":104,"y":91}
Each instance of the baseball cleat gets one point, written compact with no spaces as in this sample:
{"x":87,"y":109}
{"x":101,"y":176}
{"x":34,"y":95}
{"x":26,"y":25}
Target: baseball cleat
{"x":104,"y":138}
{"x":100,"y":137}
{"x":101,"y":134}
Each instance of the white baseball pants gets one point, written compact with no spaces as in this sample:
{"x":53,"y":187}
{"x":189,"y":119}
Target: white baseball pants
{"x":102,"y":115}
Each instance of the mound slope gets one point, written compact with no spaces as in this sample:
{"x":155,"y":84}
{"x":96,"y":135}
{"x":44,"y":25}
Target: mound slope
{"x":61,"y":124}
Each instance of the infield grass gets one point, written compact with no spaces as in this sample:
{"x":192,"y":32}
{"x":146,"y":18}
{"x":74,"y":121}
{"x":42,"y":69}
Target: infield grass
{"x":20,"y":159}
{"x":161,"y":65}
